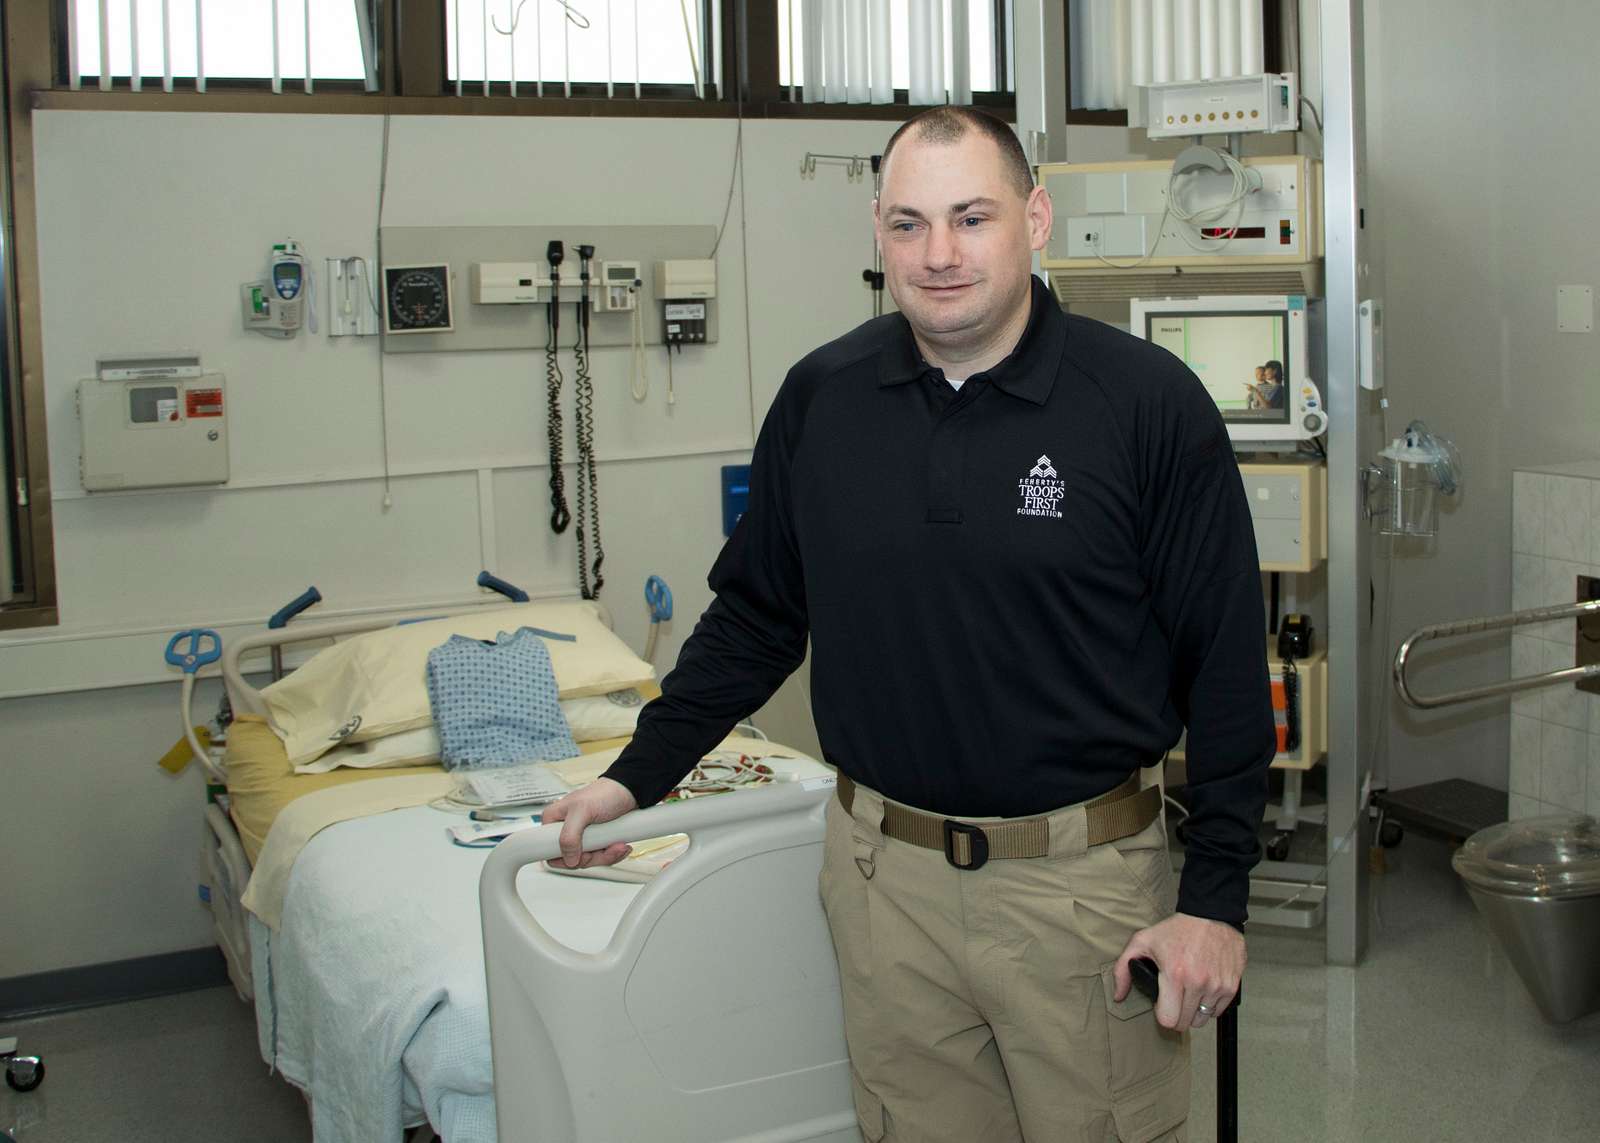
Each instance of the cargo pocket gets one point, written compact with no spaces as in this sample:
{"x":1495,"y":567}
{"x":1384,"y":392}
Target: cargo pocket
{"x":869,"y":1109}
{"x":1148,"y":1066}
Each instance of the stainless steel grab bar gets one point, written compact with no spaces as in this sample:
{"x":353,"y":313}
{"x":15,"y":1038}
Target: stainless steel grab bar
{"x":1490,"y":623}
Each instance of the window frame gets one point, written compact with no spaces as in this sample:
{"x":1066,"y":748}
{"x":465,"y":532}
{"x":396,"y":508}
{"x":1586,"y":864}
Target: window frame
{"x":27,"y":49}
{"x":411,"y":79}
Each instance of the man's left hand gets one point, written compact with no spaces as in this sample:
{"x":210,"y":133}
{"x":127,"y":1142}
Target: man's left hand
{"x":1201,"y":962}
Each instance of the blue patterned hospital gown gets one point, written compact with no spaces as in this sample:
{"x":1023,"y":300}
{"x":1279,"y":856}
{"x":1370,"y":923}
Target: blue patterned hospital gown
{"x":496,"y":704}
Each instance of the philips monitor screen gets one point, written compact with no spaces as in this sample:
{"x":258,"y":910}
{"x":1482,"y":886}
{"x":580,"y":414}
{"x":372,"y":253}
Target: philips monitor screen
{"x":1241,"y":358}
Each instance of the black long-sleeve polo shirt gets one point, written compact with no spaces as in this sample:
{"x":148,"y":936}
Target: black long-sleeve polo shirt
{"x":1016,"y":593}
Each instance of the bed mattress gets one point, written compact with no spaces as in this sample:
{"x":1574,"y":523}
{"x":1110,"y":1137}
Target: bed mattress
{"x":370,"y":996}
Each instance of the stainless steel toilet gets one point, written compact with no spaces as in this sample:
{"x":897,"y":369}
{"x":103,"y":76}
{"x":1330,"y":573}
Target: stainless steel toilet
{"x":1537,"y":883}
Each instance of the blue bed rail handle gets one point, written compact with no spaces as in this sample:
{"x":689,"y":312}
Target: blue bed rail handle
{"x":510,"y":590}
{"x":281,"y":617}
{"x":659,"y":598}
{"x":198,"y":652}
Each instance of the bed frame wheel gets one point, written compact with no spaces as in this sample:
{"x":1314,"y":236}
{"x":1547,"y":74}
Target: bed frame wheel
{"x":1278,"y":847}
{"x":24,"y":1073}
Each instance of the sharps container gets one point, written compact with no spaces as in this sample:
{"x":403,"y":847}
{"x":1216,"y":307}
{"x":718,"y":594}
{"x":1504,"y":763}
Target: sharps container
{"x":1537,"y":882}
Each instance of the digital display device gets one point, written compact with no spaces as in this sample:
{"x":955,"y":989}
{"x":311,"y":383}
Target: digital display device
{"x":1258,"y":357}
{"x":1242,"y":359}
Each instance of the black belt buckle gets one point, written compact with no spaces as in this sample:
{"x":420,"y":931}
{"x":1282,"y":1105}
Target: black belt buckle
{"x":977,"y":844}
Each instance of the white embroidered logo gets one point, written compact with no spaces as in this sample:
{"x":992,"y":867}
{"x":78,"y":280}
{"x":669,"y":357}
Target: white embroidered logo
{"x":1041,"y":490}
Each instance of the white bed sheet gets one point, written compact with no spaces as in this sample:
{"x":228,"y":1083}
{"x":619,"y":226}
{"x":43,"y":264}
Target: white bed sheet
{"x":371,"y":995}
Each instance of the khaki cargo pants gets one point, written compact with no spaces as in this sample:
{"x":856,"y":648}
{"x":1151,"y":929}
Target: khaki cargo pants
{"x":978,"y":1003}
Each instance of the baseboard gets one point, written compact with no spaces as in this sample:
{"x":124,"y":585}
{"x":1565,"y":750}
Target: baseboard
{"x":91,"y":985}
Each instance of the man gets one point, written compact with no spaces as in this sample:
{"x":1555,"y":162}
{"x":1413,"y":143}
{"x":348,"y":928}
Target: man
{"x":1272,"y":391}
{"x":1020,"y":546}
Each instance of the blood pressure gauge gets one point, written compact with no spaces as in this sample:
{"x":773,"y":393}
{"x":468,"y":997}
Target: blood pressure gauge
{"x":417,"y":299}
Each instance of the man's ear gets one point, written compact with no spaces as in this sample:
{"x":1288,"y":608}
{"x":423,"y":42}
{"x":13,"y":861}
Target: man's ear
{"x":1041,"y":217}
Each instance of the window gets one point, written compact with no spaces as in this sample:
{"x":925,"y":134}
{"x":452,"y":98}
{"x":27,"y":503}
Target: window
{"x":156,"y":45}
{"x":27,"y":561}
{"x":626,"y":48}
{"x":13,"y":515}
{"x":841,"y":46}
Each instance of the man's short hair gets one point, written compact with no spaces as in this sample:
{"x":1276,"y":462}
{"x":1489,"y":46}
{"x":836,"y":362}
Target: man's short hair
{"x":947,"y":125}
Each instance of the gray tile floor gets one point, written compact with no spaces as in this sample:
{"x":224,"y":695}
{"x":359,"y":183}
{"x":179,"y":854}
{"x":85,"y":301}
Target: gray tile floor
{"x":1432,"y":1038}
{"x":179,"y":1069}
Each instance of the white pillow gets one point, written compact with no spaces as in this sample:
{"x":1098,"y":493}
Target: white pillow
{"x":375,"y":684}
{"x":408,"y":748}
{"x":604,"y":716}
{"x":614,"y":715}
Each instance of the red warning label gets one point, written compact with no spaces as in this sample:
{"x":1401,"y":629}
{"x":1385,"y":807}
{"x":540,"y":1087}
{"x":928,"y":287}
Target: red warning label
{"x":203,"y":402}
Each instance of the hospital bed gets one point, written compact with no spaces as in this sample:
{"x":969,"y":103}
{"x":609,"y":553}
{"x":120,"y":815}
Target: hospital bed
{"x":701,"y":1005}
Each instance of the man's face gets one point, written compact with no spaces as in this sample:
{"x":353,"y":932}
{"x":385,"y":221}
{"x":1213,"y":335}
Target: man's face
{"x":956,"y":237}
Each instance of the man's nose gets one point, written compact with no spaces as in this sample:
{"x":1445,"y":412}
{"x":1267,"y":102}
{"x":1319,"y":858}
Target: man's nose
{"x":942,"y":251}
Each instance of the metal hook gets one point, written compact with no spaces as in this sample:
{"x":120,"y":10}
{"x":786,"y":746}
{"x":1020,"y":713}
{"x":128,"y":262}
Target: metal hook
{"x":575,"y":16}
{"x":516,"y":18}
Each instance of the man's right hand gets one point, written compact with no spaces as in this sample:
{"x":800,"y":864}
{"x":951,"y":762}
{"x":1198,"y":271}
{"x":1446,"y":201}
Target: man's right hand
{"x":600,"y":801}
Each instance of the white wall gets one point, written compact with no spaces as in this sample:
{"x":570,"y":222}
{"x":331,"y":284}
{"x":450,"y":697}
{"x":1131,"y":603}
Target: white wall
{"x":1482,"y":197}
{"x":148,"y":223}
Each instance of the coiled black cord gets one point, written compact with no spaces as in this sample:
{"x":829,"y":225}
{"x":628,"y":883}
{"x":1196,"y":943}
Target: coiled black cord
{"x":590,"y":581}
{"x":560,"y":517}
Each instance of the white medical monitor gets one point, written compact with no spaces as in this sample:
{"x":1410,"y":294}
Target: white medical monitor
{"x":1250,"y":353}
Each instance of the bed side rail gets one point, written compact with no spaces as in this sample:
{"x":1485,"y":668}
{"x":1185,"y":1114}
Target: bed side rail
{"x":246,"y":699}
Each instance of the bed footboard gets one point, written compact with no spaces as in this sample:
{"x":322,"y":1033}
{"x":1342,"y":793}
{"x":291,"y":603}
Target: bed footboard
{"x":713,"y":1015}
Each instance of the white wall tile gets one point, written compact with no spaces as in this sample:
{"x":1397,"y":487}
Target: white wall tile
{"x":1528,"y":496}
{"x":1563,"y":704}
{"x":1527,"y":580}
{"x":1561,"y":586}
{"x":1594,"y":776}
{"x":1564,"y":767}
{"x":1530,"y":588}
{"x":1527,"y":658}
{"x":1522,"y":806}
{"x":1567,"y":518}
{"x":1525,"y":754}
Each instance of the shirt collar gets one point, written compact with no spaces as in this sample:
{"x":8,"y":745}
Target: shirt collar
{"x":1029,"y":371}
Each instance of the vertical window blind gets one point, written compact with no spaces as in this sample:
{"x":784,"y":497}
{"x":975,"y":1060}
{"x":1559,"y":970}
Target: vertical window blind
{"x":544,"y":47}
{"x":863,"y":51}
{"x":1120,"y":44}
{"x":153,"y":43}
